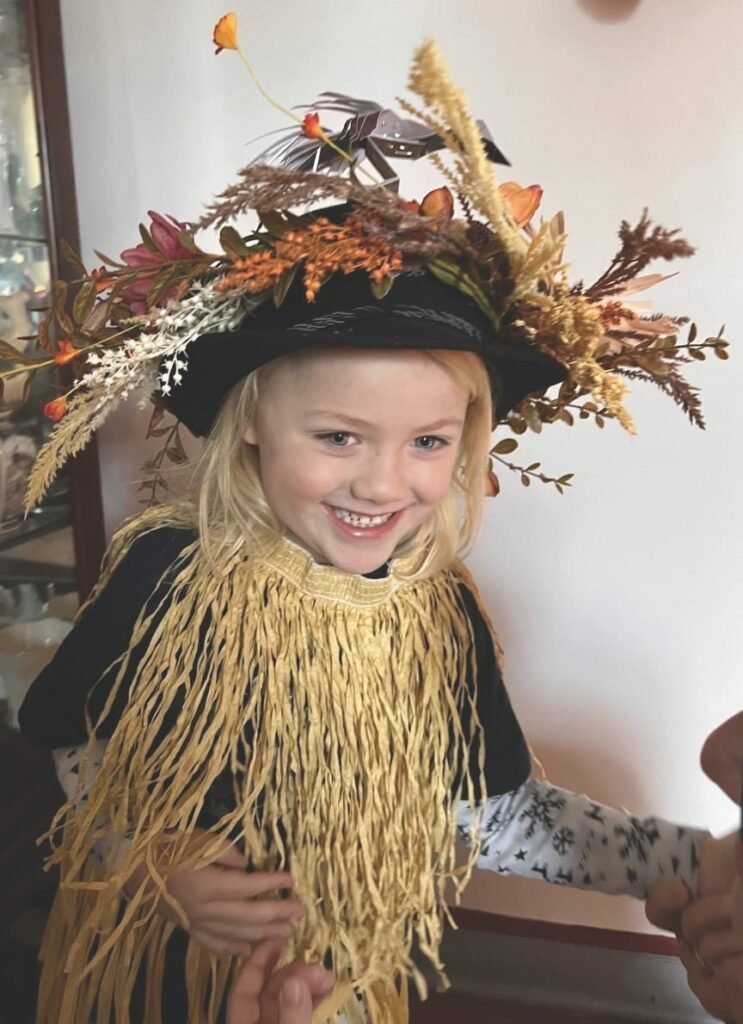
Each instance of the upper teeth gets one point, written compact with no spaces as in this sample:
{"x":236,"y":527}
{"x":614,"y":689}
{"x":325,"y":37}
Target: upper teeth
{"x":356,"y":520}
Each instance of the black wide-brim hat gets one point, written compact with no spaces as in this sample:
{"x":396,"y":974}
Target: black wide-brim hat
{"x":419,"y":312}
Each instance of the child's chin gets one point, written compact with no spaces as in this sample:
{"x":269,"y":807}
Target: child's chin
{"x":361,"y":562}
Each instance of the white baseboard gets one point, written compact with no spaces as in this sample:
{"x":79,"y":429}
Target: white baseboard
{"x":562,"y":975}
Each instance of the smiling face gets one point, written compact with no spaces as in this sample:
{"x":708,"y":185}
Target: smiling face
{"x":357,"y":449}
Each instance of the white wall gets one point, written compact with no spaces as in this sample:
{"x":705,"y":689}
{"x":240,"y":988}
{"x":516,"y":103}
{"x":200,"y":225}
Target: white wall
{"x":621,"y":603}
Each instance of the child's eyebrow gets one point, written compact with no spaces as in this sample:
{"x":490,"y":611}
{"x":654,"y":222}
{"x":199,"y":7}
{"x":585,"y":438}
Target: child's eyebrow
{"x":355,"y":422}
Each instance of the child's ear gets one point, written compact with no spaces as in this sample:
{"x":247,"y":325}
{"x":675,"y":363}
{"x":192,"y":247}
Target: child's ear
{"x":250,"y":434}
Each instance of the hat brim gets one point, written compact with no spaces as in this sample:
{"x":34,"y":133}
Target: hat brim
{"x":219,"y":361}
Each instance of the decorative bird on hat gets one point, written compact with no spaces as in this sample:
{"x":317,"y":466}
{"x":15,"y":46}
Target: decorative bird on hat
{"x":372,"y":132}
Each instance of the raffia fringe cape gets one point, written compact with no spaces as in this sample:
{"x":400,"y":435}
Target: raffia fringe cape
{"x":353,"y":691}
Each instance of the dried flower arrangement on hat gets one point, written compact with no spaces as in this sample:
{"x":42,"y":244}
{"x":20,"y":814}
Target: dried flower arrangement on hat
{"x":126,"y":326}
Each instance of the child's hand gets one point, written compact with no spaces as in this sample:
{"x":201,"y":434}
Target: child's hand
{"x":287,"y":997}
{"x":220,"y":905}
{"x":221,"y":908}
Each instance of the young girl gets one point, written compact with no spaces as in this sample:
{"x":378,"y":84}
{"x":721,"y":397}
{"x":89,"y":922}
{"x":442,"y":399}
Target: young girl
{"x":290,"y":670}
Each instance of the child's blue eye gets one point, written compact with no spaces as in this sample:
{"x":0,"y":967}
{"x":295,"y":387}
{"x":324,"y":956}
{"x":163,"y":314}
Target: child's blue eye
{"x":338,"y":438}
{"x":429,"y":443}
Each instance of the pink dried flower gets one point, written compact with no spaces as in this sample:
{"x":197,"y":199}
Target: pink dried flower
{"x":164,"y":232}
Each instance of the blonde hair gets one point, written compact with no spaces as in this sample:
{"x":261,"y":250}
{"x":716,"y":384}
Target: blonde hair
{"x":230,"y":507}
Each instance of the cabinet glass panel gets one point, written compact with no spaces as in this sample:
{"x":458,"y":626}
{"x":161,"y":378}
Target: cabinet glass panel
{"x":38,"y":595}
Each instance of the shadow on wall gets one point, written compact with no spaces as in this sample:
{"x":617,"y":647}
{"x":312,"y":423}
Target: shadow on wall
{"x":538,"y":900}
{"x":609,"y":10}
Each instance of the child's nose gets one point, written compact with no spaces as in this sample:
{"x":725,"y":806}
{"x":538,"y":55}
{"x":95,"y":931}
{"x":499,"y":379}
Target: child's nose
{"x":380,"y":480}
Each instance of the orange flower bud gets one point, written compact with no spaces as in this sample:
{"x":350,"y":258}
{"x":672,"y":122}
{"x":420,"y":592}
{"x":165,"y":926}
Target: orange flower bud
{"x":522,"y":203}
{"x":312,"y":128}
{"x":67,"y":352}
{"x":225,"y":33}
{"x":101,"y":279}
{"x":492,"y":485}
{"x":439,"y":203}
{"x":56,"y":409}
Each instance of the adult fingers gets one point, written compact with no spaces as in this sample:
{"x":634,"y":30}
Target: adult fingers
{"x":718,"y":946}
{"x":318,"y":980}
{"x":721,"y":756}
{"x":295,"y":1002}
{"x":710,"y":914}
{"x":243,"y":1003}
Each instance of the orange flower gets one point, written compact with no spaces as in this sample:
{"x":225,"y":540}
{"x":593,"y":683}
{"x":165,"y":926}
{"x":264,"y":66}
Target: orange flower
{"x":522,"y":203}
{"x":438,"y":203}
{"x":225,"y":33}
{"x":312,"y":128}
{"x":67,"y":352}
{"x":56,"y":409}
{"x":101,"y":279}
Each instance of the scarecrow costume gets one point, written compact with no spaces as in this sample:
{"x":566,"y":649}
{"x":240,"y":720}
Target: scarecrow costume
{"x":343,"y":727}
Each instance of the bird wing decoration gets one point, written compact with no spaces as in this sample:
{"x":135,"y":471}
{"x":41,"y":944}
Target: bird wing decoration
{"x":372,"y":132}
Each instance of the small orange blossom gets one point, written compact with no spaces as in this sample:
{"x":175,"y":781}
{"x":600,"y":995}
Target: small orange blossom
{"x":56,"y":409}
{"x":101,"y":279}
{"x":67,"y":352}
{"x":225,"y":33}
{"x":312,"y":128}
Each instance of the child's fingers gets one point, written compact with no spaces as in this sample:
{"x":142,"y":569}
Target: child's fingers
{"x":665,"y":903}
{"x":239,"y":885}
{"x":242,"y":932}
{"x":232,"y":858}
{"x":257,"y":912}
{"x":221,"y":946}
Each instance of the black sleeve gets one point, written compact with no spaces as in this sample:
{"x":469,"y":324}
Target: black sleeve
{"x":53,"y":713}
{"x":507,"y":758}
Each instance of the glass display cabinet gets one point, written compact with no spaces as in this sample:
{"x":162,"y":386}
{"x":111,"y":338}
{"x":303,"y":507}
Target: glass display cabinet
{"x":49,"y":558}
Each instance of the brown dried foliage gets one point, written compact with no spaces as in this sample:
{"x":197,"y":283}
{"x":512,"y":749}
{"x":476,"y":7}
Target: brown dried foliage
{"x":261,"y":187}
{"x":640,"y":245}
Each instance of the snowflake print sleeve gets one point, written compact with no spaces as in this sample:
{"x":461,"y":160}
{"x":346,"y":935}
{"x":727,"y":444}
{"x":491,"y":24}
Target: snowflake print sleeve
{"x":541,"y":831}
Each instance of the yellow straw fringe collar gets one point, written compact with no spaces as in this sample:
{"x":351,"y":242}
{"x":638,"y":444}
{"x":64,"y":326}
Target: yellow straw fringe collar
{"x":335,"y":704}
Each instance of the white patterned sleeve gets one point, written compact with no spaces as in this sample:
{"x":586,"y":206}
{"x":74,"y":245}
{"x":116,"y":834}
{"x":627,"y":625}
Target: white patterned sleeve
{"x":71,"y":762}
{"x":542,"y":831}
{"x":76,"y":769}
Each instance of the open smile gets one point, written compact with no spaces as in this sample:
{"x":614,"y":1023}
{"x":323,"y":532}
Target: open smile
{"x":357,"y":524}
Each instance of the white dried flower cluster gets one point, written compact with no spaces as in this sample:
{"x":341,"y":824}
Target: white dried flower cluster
{"x":164,"y":341}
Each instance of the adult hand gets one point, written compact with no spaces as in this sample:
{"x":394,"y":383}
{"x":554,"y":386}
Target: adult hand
{"x":710,"y":929}
{"x":288,"y":996}
{"x":722,"y":756}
